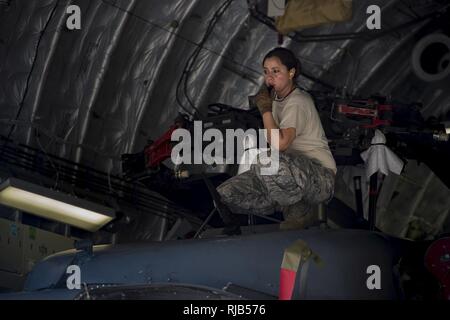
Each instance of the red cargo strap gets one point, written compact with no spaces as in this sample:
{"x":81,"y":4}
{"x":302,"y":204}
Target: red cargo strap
{"x":294,"y":255}
{"x":287,"y":283}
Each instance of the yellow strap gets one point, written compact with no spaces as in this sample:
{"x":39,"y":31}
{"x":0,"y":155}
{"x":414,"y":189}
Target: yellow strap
{"x":296,"y":253}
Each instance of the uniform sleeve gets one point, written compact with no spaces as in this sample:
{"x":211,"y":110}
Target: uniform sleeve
{"x":294,"y":115}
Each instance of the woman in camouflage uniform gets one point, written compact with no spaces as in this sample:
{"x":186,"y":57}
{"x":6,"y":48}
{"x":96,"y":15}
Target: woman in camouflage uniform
{"x":306,"y":166}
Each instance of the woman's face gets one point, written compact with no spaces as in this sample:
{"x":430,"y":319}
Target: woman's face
{"x":277,"y":75}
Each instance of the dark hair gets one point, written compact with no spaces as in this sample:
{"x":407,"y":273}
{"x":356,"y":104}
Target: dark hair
{"x":287,"y":58}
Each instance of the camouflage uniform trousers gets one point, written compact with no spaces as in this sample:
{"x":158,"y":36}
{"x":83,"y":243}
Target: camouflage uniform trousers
{"x":300,"y":183}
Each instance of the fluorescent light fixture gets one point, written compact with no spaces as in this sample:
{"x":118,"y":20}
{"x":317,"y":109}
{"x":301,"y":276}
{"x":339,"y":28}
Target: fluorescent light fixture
{"x":54,"y":205}
{"x":447,"y":127}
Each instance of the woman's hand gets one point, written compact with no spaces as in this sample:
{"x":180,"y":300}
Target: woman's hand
{"x":263,"y":100}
